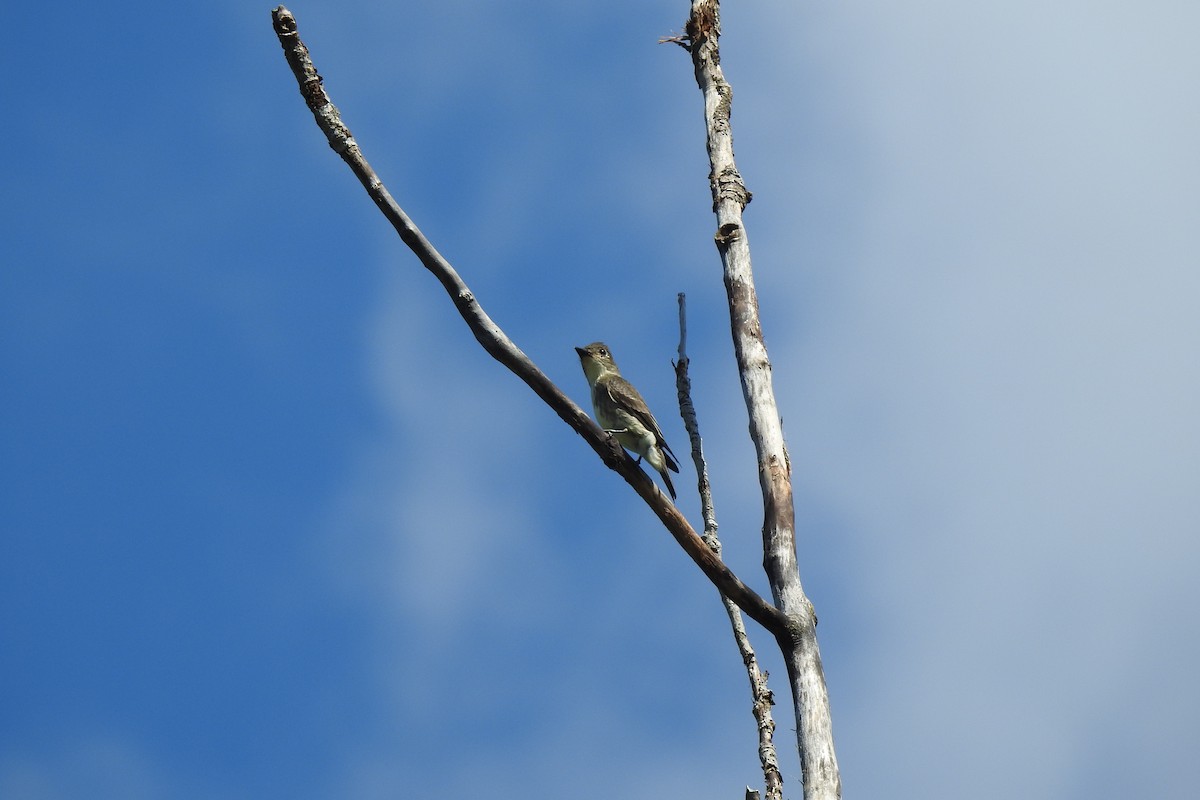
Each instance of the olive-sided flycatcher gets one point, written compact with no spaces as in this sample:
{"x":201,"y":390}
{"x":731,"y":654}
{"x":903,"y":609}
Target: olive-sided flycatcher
{"x":621,"y":411}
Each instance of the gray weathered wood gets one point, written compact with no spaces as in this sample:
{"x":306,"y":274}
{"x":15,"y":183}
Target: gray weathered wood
{"x":810,"y":696}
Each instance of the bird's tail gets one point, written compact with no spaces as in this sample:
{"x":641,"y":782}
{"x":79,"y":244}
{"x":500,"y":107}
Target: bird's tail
{"x":666,"y":476}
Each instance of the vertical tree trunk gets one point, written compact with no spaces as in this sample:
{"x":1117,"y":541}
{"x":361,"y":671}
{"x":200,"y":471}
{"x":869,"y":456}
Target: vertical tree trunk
{"x":799,"y":644}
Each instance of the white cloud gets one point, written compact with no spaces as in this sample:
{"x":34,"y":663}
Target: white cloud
{"x":999,"y":389}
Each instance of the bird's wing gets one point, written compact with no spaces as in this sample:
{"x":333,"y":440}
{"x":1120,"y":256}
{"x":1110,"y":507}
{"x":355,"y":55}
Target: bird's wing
{"x":625,"y":396}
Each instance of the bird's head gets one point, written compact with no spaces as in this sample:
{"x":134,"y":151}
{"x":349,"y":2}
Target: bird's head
{"x":597,"y":361}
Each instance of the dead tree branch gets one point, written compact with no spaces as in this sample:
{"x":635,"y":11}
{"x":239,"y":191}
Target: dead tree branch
{"x":498,"y":345}
{"x":760,"y":693}
{"x":730,"y":197}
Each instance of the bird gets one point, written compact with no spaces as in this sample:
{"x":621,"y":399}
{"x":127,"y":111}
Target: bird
{"x":621,"y":411}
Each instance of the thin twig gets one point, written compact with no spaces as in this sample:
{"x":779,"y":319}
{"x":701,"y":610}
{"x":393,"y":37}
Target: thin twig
{"x":760,"y":693}
{"x":499,"y":346}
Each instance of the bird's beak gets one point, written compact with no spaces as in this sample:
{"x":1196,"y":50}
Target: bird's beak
{"x":579,"y":350}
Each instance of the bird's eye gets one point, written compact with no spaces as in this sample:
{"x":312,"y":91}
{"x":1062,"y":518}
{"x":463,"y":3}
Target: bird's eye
{"x":603,"y":352}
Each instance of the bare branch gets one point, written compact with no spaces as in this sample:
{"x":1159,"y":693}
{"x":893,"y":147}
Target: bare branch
{"x":730,"y":197}
{"x":760,"y":693}
{"x":680,"y":39}
{"x":499,"y":346}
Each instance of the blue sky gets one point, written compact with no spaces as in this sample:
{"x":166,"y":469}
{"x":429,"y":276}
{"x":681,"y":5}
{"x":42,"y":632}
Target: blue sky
{"x":275,"y":526}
